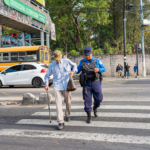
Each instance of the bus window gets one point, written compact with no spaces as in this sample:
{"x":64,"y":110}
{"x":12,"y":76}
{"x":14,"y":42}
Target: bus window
{"x":46,"y":56}
{"x":21,"y":56}
{"x":13,"y":57}
{"x":31,"y":56}
{"x":5,"y":56}
{"x":0,"y":57}
{"x":42,"y":56}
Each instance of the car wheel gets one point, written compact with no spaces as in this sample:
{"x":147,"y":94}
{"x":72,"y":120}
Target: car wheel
{"x":0,"y":84}
{"x":37,"y":82}
{"x":11,"y":86}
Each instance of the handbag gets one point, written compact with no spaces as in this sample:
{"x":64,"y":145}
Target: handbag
{"x":71,"y":86}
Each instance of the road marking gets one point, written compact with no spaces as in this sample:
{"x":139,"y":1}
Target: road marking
{"x":100,"y":114}
{"x":108,"y":107}
{"x":75,"y":99}
{"x":112,"y":92}
{"x":77,"y":136}
{"x":5,"y":99}
{"x":105,"y":124}
{"x":5,"y":93}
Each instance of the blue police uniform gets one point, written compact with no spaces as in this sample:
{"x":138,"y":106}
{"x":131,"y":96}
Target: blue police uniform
{"x":92,"y":87}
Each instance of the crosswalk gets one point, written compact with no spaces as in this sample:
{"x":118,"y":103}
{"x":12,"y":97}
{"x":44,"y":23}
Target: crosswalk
{"x":117,"y":123}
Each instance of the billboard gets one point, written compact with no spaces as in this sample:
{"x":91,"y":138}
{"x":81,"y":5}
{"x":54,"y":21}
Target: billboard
{"x":26,"y":10}
{"x":42,"y":2}
{"x":53,"y":33}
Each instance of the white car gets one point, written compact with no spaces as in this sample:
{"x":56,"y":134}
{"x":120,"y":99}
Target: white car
{"x":24,"y":74}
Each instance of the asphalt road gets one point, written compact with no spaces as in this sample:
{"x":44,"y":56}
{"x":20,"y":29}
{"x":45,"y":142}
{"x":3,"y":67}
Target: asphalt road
{"x":136,"y":90}
{"x":123,"y":122}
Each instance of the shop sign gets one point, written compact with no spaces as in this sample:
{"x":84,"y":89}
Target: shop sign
{"x":53,"y":32}
{"x":16,"y":4}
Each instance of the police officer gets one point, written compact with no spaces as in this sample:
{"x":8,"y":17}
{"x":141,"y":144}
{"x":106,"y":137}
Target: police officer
{"x":91,"y":69}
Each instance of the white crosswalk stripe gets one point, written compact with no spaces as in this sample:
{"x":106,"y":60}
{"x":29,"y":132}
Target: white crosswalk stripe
{"x":100,"y":114}
{"x":77,"y":136}
{"x":80,"y":135}
{"x":106,"y":124}
{"x":109,"y":107}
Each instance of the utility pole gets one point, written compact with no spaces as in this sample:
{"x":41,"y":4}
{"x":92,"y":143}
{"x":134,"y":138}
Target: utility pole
{"x":142,"y":40}
{"x":124,"y":32}
{"x":137,"y":63}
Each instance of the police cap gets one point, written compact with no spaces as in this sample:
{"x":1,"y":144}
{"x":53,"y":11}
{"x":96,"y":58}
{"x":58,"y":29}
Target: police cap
{"x":87,"y":50}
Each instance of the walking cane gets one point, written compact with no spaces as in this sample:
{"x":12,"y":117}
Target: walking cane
{"x":49,"y":107}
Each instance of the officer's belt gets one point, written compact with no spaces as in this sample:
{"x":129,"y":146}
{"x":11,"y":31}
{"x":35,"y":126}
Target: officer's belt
{"x":92,"y":80}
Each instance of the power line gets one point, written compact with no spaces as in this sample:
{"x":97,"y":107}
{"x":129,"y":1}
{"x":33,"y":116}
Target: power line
{"x":79,"y":9}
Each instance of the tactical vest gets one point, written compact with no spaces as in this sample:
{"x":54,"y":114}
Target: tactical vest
{"x":87,"y":70}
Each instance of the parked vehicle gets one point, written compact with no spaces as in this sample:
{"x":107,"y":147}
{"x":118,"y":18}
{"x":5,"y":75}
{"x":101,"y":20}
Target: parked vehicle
{"x":25,"y":74}
{"x":15,"y":55}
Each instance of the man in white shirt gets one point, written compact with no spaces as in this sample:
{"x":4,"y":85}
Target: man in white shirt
{"x":61,"y":71}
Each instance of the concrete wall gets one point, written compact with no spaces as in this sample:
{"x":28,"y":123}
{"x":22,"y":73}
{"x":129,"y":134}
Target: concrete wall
{"x":111,"y":61}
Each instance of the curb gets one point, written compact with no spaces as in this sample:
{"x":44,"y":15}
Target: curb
{"x":18,"y":100}
{"x":121,"y":79}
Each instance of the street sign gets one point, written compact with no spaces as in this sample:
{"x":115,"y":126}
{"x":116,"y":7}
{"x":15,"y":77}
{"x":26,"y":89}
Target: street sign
{"x":42,"y":2}
{"x":140,"y":46}
{"x":53,"y":32}
{"x":146,"y":22}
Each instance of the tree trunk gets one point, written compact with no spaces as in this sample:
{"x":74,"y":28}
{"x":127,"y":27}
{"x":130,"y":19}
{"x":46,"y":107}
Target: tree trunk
{"x":115,"y":22}
{"x":75,"y":22}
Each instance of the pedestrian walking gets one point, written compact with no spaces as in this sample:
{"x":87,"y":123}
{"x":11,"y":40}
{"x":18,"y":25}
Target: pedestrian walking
{"x":119,"y":70}
{"x":127,"y":69}
{"x":61,"y":71}
{"x":91,"y":69}
{"x":135,"y":71}
{"x":65,"y":55}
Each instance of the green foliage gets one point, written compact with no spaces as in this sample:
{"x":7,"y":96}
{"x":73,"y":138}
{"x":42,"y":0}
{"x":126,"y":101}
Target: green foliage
{"x":98,"y":52}
{"x":73,"y":29}
{"x":73,"y":53}
{"x":100,"y":30}
{"x":60,"y":49}
{"x":8,"y":31}
{"x":129,"y":49}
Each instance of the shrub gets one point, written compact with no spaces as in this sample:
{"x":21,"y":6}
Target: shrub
{"x":73,"y":53}
{"x":98,"y":52}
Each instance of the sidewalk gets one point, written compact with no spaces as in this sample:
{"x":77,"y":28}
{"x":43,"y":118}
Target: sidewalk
{"x":123,"y":79}
{"x":76,"y":79}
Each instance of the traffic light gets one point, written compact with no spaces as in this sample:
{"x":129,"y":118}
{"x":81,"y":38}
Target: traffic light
{"x":134,"y":50}
{"x":130,"y":7}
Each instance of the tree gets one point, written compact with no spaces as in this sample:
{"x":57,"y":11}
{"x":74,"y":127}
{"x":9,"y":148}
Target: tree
{"x":71,"y":26}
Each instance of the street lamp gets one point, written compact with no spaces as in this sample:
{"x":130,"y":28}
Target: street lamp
{"x":124,"y":32}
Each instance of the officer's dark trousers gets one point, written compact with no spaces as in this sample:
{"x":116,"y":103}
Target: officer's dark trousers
{"x":93,"y":88}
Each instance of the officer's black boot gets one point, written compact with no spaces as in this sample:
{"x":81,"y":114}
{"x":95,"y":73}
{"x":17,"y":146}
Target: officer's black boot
{"x":95,"y":111}
{"x":88,"y":117}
